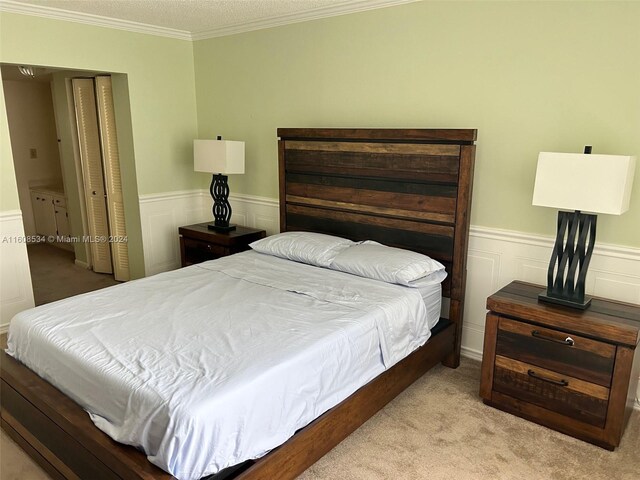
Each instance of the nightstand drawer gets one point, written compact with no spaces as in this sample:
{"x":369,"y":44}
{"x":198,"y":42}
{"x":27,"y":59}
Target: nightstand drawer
{"x":198,"y":243}
{"x":575,"y":398}
{"x":561,"y":352}
{"x":535,"y":366}
{"x":205,"y":250}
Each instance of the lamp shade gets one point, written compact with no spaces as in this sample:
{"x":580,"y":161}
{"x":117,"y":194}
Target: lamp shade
{"x":584,"y":182}
{"x":218,"y":156}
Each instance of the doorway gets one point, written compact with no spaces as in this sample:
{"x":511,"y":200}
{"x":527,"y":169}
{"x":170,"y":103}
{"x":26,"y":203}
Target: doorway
{"x":57,"y":264}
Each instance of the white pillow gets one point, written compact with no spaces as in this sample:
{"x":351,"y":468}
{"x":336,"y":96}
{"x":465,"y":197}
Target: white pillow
{"x":430,"y":279}
{"x":392,"y":265}
{"x":306,"y":247}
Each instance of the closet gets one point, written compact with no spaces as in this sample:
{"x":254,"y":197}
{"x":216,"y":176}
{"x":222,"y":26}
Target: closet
{"x":101,"y":177}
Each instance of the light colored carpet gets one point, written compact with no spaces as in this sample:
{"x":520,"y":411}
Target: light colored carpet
{"x":15,"y":464}
{"x":55,"y":276}
{"x":439,"y":429}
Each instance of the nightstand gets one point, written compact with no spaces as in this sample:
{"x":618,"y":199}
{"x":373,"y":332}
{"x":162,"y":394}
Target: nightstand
{"x":575,"y":371}
{"x":198,"y":243}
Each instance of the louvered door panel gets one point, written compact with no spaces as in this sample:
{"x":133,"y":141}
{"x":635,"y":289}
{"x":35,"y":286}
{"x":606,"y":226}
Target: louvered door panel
{"x":113,"y":177}
{"x":90,"y":154}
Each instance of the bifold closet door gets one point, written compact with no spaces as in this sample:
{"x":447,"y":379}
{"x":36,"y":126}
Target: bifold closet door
{"x":112,"y":178}
{"x":84,"y":99}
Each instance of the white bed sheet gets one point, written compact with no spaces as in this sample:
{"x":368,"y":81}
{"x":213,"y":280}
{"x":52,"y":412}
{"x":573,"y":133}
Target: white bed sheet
{"x":217,"y":363}
{"x":432,"y":298}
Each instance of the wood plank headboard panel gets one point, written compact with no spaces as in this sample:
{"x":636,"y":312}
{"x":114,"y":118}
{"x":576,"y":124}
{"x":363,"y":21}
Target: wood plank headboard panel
{"x":408,"y":188}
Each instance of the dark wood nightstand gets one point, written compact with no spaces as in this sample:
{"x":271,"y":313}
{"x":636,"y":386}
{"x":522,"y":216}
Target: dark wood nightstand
{"x":575,"y":371}
{"x":198,"y":243}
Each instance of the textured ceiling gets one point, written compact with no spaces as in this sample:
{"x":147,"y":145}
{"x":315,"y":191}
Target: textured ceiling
{"x":197,"y":16}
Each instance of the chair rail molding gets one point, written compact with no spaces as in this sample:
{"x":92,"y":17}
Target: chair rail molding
{"x":161,"y":214}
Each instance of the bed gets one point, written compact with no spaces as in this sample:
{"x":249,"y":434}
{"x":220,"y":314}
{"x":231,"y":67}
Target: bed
{"x":405,"y":188}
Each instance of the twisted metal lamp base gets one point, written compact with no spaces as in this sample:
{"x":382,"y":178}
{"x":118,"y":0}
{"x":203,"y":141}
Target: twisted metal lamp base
{"x":569,"y":262}
{"x":221,"y":207}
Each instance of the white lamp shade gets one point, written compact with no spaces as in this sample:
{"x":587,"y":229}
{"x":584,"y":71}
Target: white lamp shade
{"x":586,"y":182}
{"x":218,"y":156}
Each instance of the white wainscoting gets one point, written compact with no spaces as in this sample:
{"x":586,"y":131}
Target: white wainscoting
{"x":255,"y":212}
{"x":16,"y":293}
{"x":162,"y":214}
{"x":496,"y":257}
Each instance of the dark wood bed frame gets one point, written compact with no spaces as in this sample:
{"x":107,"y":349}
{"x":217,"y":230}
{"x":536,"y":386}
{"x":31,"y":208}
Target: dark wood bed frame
{"x":405,"y":188}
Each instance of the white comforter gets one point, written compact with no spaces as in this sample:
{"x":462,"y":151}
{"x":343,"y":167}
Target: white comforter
{"x":217,"y":363}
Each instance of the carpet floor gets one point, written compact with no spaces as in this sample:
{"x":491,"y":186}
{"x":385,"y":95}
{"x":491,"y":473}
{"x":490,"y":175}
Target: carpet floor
{"x":55,"y":275}
{"x":439,"y":429}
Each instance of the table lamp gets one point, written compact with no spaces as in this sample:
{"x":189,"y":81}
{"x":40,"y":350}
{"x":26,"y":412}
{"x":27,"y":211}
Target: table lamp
{"x":221,"y":158}
{"x":579,"y":182}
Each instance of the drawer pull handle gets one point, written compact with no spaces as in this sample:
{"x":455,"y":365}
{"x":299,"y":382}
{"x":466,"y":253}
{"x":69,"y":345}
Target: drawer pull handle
{"x":560,"y":383}
{"x":567,"y":341}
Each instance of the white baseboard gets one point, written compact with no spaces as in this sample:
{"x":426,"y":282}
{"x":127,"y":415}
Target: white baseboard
{"x":82,"y":264}
{"x":16,"y":293}
{"x":471,"y":353}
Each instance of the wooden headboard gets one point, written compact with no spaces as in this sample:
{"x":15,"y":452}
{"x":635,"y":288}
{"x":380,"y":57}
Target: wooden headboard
{"x":407,"y":188}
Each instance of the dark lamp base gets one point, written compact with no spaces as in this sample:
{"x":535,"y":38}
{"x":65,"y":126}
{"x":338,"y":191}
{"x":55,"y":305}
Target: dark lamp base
{"x":575,"y":238}
{"x":223,"y":229}
{"x":221,"y":208}
{"x":543,"y":297}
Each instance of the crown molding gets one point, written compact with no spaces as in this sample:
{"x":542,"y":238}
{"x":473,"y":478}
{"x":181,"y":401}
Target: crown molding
{"x":90,"y":19}
{"x":315,"y":14}
{"x":354,"y":6}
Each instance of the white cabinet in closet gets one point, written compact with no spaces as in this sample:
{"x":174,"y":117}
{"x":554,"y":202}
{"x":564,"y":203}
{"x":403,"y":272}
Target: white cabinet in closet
{"x":50,"y":214}
{"x":62,"y":220}
{"x":43,"y":214}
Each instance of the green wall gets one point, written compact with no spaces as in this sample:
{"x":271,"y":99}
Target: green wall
{"x":160,"y":76}
{"x":153,"y":81}
{"x":8,"y":188}
{"x":531,"y":76}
